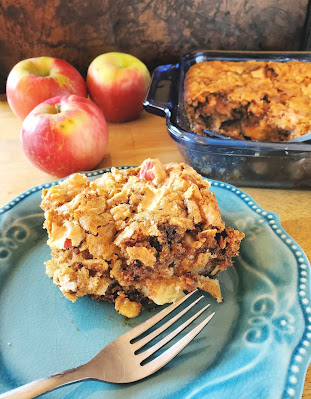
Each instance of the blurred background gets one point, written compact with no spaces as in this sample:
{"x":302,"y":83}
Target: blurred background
{"x":157,"y":32}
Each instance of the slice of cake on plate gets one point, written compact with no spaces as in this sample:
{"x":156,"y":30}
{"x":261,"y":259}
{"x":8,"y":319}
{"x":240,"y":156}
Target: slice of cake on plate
{"x":136,"y":236}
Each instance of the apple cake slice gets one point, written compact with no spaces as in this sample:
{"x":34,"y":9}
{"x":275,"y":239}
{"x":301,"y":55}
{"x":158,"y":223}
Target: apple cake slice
{"x":137,"y":236}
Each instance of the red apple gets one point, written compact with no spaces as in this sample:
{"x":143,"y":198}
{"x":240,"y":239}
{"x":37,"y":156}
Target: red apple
{"x":64,"y":135}
{"x":117,"y":83}
{"x":35,"y":80}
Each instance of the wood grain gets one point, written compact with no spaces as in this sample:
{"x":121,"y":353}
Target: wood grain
{"x":129,"y":144}
{"x":157,"y":32}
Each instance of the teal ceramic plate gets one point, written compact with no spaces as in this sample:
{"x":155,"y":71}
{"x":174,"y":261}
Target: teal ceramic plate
{"x":256,"y":346}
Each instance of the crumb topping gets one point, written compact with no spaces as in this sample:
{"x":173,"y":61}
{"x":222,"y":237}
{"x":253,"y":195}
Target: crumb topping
{"x":155,"y":231}
{"x":251,"y":100}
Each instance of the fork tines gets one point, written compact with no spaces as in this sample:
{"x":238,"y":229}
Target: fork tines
{"x":170,"y":353}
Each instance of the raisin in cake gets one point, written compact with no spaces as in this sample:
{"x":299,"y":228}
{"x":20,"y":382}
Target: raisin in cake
{"x":136,"y":236}
{"x":251,"y":100}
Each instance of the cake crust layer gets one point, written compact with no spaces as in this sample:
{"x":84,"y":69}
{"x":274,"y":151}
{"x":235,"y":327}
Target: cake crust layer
{"x":250,"y":100}
{"x":141,"y":235}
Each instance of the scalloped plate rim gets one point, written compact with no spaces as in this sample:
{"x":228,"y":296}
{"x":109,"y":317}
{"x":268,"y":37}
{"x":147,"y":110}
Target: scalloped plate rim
{"x":242,"y":196}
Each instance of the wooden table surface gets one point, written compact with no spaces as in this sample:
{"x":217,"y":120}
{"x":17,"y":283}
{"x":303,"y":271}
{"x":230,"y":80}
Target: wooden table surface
{"x":129,"y":144}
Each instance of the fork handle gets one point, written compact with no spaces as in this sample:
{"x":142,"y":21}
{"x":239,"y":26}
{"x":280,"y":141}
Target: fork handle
{"x":43,"y":385}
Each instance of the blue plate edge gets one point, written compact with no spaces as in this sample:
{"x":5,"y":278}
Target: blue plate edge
{"x":253,"y":206}
{"x":276,"y":221}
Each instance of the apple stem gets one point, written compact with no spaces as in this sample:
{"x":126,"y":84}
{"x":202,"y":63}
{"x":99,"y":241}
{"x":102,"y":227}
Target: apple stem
{"x":57,"y":106}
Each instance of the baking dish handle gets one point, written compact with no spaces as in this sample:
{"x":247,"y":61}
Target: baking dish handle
{"x":158,"y":100}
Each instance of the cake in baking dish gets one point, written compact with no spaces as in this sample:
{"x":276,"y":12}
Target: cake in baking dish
{"x":137,"y":236}
{"x":250,"y":100}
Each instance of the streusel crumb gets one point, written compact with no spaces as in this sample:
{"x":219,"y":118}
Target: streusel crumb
{"x":137,"y":236}
{"x":250,"y":100}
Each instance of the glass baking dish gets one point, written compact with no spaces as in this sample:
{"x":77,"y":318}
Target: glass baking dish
{"x":242,"y":163}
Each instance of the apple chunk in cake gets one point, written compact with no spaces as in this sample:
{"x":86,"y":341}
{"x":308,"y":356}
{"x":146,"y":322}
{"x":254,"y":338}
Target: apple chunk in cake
{"x":137,"y":236}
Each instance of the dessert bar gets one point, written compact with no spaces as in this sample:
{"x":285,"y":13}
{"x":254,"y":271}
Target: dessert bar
{"x":250,"y":100}
{"x":137,"y":236}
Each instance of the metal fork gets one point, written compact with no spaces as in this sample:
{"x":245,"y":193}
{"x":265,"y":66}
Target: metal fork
{"x":119,"y":361}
